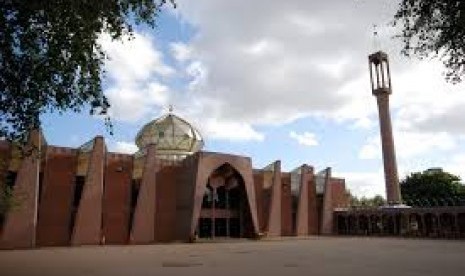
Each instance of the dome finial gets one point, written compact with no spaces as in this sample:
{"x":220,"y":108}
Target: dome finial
{"x":376,"y":38}
{"x":170,"y":108}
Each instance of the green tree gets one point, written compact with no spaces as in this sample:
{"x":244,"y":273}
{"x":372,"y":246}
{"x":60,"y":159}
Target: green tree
{"x":375,"y":201}
{"x":378,"y":200}
{"x":353,"y":200}
{"x":7,"y":201}
{"x":432,"y":187}
{"x":435,"y":28}
{"x":51,"y":59}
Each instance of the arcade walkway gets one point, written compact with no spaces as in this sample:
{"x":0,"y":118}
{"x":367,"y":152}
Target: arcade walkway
{"x":433,"y":222}
{"x":358,"y":256}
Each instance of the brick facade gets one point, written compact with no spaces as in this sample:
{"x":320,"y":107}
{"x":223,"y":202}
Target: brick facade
{"x":91,"y":196}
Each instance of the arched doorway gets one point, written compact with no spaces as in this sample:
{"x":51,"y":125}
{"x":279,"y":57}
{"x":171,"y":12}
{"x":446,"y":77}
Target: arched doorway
{"x":363,"y":225}
{"x":225,"y":210}
{"x":352,"y":223}
{"x":447,"y":225}
{"x":416,"y":227}
{"x":342,"y":225}
{"x":388,"y":224}
{"x":376,"y":225}
{"x":461,"y":224}
{"x":431,"y":225}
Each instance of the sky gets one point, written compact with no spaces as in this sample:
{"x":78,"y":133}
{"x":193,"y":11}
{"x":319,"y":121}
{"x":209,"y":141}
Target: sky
{"x":279,"y":80}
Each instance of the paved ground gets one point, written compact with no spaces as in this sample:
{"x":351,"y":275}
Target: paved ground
{"x":312,"y":256}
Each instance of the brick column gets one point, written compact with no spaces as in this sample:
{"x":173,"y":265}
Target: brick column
{"x":143,"y":226}
{"x":389,"y":155}
{"x":88,"y":223}
{"x":20,"y":223}
{"x":302,"y":208}
{"x":274,"y":218}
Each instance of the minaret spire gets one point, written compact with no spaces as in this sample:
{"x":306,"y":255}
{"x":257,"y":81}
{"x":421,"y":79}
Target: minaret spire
{"x":380,"y":77}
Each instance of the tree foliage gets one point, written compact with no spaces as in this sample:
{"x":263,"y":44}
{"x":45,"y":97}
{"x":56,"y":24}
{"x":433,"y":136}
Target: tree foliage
{"x":7,"y":200}
{"x":375,"y":201}
{"x":432,"y":187}
{"x":435,"y":28}
{"x":51,"y":58}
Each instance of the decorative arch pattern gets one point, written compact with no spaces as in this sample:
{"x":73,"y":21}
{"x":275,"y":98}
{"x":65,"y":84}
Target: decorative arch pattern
{"x":207,"y":164}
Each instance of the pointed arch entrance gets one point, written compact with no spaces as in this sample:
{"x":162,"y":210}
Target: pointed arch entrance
{"x":225,"y":211}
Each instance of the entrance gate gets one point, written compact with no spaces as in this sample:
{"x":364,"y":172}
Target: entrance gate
{"x":225,"y":212}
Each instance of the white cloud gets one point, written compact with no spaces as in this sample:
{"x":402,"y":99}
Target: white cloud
{"x":429,"y":106}
{"x":294,"y":59}
{"x":456,"y":165}
{"x":262,"y":47}
{"x":414,"y":144}
{"x":275,"y":62}
{"x":198,"y":75}
{"x":307,"y":25}
{"x":366,"y":184}
{"x":371,"y":149}
{"x":290,"y":58}
{"x":125,"y":147}
{"x":133,"y":60}
{"x":131,"y":103}
{"x":134,"y":70}
{"x":231,"y":131}
{"x":305,"y":139}
{"x":181,"y":51}
{"x":410,"y":144}
{"x":334,"y":67}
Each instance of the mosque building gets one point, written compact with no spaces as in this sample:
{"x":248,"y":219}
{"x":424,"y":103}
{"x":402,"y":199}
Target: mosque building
{"x":170,"y":190}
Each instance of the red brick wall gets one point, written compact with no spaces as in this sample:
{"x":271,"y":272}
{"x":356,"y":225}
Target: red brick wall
{"x":185,"y":190}
{"x":56,"y":197}
{"x":5,"y":154}
{"x":313,"y":219}
{"x":259,"y":196}
{"x":339,"y":194}
{"x":116,"y":198}
{"x":286,"y":205}
{"x":165,"y":210}
{"x":319,"y":210}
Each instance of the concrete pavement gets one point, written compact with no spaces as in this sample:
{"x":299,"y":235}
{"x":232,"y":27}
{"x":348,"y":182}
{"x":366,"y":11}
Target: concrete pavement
{"x":311,"y":256}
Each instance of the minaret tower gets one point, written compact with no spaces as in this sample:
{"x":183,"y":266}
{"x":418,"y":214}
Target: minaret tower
{"x":381,"y":88}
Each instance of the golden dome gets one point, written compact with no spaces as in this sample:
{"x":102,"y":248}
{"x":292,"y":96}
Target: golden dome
{"x":174,"y":137}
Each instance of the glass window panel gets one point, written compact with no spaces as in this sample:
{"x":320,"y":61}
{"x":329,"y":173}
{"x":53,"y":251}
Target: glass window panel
{"x":295,"y":180}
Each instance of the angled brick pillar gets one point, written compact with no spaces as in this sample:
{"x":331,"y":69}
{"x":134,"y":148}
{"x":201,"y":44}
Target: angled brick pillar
{"x":274,"y":214}
{"x":88,"y":222}
{"x":143,"y":226}
{"x":20,"y":224}
{"x":326,"y":227}
{"x":313,"y":219}
{"x":302,"y":208}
